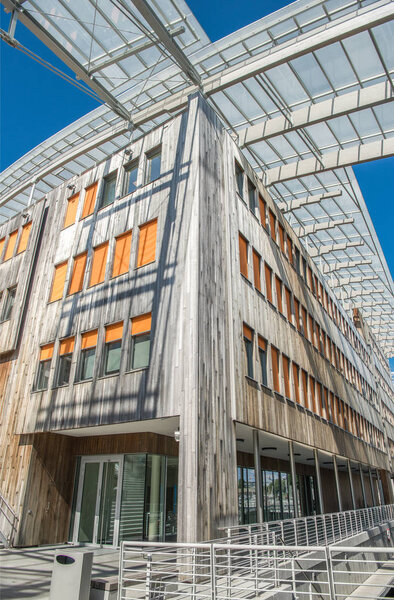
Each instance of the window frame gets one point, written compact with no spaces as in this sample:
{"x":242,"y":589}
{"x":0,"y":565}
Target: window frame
{"x":127,"y":169}
{"x":149,"y":157}
{"x":7,"y":306}
{"x":248,"y":349}
{"x":107,"y":180}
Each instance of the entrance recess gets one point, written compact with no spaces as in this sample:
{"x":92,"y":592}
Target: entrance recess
{"x":98,"y":500}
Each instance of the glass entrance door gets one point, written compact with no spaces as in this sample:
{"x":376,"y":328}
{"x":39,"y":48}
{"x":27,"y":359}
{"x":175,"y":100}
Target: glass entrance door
{"x":98,"y":500}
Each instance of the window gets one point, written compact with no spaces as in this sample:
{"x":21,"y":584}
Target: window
{"x":243,"y":256}
{"x":153,"y":165}
{"x":312,"y":333}
{"x":297,"y":260}
{"x":88,"y":355}
{"x":130,"y":177}
{"x":281,"y":237}
{"x":305,"y":388}
{"x":24,"y":238}
{"x":64,"y":365}
{"x":256,"y":270}
{"x":108,"y":195}
{"x":2,"y":241}
{"x":297,"y":313}
{"x":272,"y":225}
{"x":263,"y":359}
{"x":9,"y":252}
{"x":326,"y":407}
{"x":288,"y":305}
{"x":251,"y":196}
{"x":286,"y":374}
{"x":122,"y":254}
{"x":279,"y":302}
{"x":305,"y":322}
{"x":8,"y":304}
{"x":90,"y":200}
{"x":263,"y":212}
{"x":42,"y":377}
{"x":289,"y":249}
{"x":268,"y":282}
{"x":147,"y":243}
{"x":140,"y":341}
{"x":99,"y":263}
{"x":313,"y":394}
{"x":248,"y":343}
{"x":320,"y":408}
{"x":275,"y":368}
{"x":310,"y":280}
{"x":58,"y":282}
{"x":239,"y":179}
{"x":78,"y":274}
{"x":71,"y":212}
{"x":113,"y":348}
{"x":296,"y":383}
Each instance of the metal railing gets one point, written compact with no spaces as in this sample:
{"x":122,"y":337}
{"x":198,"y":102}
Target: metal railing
{"x":253,"y":563}
{"x":8,"y":523}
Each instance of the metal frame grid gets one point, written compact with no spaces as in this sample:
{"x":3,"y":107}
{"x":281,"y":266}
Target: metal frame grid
{"x":306,"y":91}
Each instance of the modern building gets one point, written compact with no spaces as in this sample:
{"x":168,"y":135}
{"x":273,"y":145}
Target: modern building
{"x":188,"y":331}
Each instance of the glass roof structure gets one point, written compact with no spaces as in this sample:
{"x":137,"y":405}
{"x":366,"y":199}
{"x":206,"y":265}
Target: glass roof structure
{"x":305,"y":91}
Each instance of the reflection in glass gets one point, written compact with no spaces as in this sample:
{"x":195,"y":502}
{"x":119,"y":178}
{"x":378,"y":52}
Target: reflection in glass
{"x":109,"y":488}
{"x":88,"y":502}
{"x":133,"y":498}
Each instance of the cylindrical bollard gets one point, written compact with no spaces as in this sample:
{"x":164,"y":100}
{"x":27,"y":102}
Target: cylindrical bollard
{"x":71,"y":575}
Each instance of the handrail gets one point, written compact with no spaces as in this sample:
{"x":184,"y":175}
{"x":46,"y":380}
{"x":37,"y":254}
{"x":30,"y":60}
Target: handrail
{"x":8,"y":522}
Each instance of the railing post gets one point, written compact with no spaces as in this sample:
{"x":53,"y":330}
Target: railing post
{"x":213,"y":572}
{"x":330,"y":574}
{"x":194,"y":573}
{"x":148,"y":575}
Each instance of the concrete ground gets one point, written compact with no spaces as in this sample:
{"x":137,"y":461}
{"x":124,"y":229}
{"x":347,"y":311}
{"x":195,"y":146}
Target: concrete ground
{"x":26,"y":572}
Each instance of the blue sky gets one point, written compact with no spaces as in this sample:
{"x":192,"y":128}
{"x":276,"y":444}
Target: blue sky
{"x":35,"y":103}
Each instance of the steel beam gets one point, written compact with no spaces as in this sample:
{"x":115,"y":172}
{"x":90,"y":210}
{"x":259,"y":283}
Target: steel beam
{"x":348,"y":264}
{"x":317,"y":113}
{"x":310,"y":229}
{"x":356,"y":293}
{"x":293,"y":479}
{"x":350,"y":280}
{"x":332,"y":160}
{"x":313,"y":252}
{"x":318,"y":479}
{"x":53,"y":44}
{"x":65,"y":157}
{"x":307,"y":200}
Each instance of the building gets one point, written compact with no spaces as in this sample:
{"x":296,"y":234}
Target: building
{"x":173,"y":357}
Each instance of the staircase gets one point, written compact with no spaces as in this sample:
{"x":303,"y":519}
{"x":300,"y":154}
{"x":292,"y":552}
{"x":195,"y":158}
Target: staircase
{"x":8,"y":523}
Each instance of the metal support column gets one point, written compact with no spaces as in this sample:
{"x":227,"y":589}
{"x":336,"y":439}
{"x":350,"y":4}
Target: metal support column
{"x":362,"y":484}
{"x":337,"y":483}
{"x":380,"y":490}
{"x":318,"y":479}
{"x":293,"y":479}
{"x":349,"y":470}
{"x":257,"y":475}
{"x":372,"y":487}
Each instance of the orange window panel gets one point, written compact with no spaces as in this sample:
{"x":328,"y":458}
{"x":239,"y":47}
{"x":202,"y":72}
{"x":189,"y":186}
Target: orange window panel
{"x":275,"y":368}
{"x":272,"y":225}
{"x":58,"y":282}
{"x":24,"y":238}
{"x":46,"y":352}
{"x":78,"y":274}
{"x":71,"y":212}
{"x":2,"y":246}
{"x":288,"y":304}
{"x":114,"y":332}
{"x":262,"y":343}
{"x":317,"y":288}
{"x":286,"y":374}
{"x":89,"y":339}
{"x":11,"y":245}
{"x":67,"y":346}
{"x":263,"y":212}
{"x":326,"y":405}
{"x":323,"y":344}
{"x":141,"y":324}
{"x":243,"y":255}
{"x":332,"y":409}
{"x":319,"y":400}
{"x":122,"y":254}
{"x":305,"y":388}
{"x":281,"y":238}
{"x":99,"y":264}
{"x":248,"y":333}
{"x":268,"y":282}
{"x":256,"y":270}
{"x":147,"y":243}
{"x":289,"y":249}
{"x":90,"y":200}
{"x":297,"y":313}
{"x":278,"y":284}
{"x":313,"y":394}
{"x":305,"y":322}
{"x":296,"y":383}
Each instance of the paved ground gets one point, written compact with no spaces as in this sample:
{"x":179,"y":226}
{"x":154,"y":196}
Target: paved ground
{"x":26,"y":573}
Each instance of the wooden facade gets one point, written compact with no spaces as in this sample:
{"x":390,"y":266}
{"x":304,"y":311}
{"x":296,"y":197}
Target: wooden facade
{"x":198,"y":302}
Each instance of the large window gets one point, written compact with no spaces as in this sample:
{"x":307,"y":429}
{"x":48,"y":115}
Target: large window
{"x":8,"y":304}
{"x":24,"y":238}
{"x":64,"y":364}
{"x":268,"y":282}
{"x":243,"y":255}
{"x":286,"y":374}
{"x":257,"y":270}
{"x":263,"y":211}
{"x":122,"y":254}
{"x":99,"y":263}
{"x":44,"y":366}
{"x":279,"y":301}
{"x":9,"y":252}
{"x":130,"y":177}
{"x":109,"y":190}
{"x":239,"y":179}
{"x":263,"y":359}
{"x":140,"y":341}
{"x":88,"y":355}
{"x":275,"y":369}
{"x":113,"y":348}
{"x":248,"y":345}
{"x":90,"y":200}
{"x":153,"y":165}
{"x":78,"y":273}
{"x":272,"y":225}
{"x":71,"y":212}
{"x":251,"y":196}
{"x":147,"y":243}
